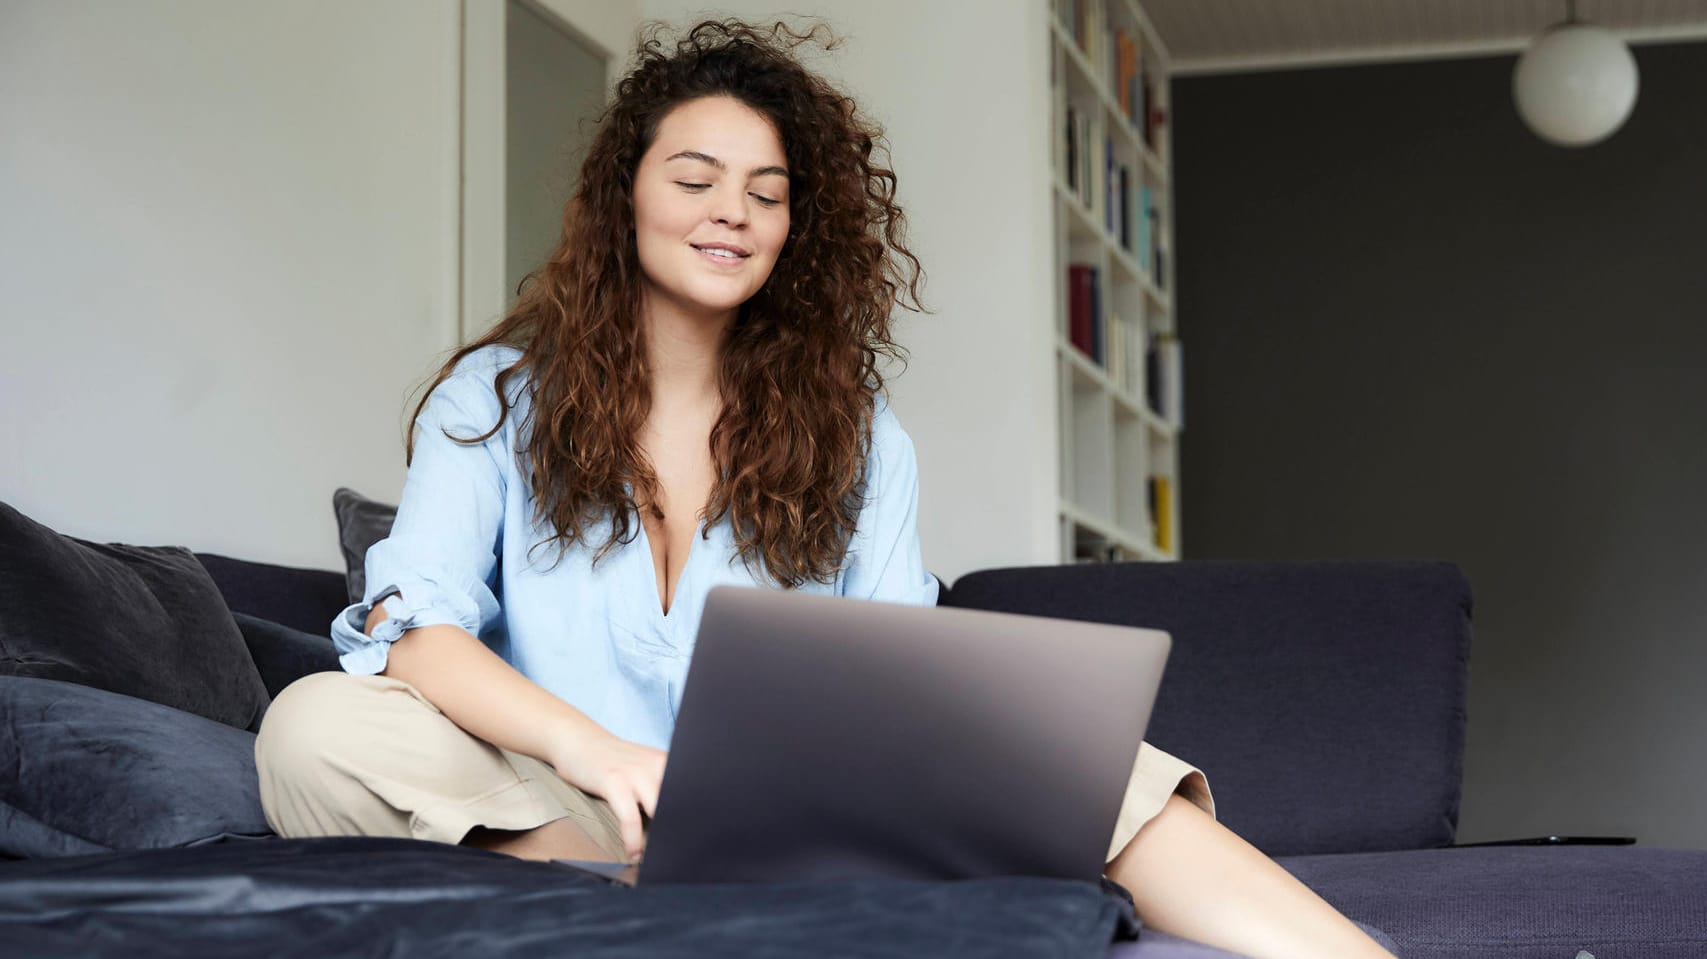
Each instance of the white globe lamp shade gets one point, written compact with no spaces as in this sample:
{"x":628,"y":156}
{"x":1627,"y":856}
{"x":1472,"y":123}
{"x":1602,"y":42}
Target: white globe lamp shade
{"x":1575,"y":85}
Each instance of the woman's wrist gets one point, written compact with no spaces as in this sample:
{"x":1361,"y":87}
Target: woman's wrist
{"x":569,"y":736}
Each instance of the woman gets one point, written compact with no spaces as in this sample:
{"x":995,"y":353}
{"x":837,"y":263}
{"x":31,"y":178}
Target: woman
{"x":687,"y":395}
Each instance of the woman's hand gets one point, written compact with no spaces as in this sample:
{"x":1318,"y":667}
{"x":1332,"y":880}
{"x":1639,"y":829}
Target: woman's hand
{"x":626,"y":775}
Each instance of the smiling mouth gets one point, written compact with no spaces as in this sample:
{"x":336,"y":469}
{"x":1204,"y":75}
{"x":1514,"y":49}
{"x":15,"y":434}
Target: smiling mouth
{"x":721,"y":253}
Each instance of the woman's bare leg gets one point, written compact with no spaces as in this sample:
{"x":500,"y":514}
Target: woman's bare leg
{"x":1190,"y":876}
{"x":557,"y":839}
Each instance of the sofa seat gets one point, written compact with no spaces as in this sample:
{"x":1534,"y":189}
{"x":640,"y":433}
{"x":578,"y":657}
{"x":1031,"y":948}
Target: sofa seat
{"x":353,"y":896}
{"x":1523,"y":902}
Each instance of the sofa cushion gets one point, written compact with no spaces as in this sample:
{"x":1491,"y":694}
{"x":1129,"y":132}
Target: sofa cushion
{"x":304,"y":599}
{"x":362,"y":522}
{"x":1523,"y":902}
{"x":1324,"y":701}
{"x":285,"y":655}
{"x":351,"y":896}
{"x":142,"y":621}
{"x":86,"y":771}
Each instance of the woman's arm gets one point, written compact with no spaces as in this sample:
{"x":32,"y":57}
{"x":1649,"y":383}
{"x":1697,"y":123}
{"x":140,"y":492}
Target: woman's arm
{"x":486,"y":696}
{"x":435,"y":574}
{"x":884,"y":559}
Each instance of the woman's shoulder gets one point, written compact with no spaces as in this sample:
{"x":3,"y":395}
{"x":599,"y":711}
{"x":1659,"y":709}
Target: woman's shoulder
{"x":890,"y":442}
{"x":471,"y":383}
{"x":484,"y":365}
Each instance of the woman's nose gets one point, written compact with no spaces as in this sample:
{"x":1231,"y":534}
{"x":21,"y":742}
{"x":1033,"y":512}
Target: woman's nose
{"x":728,"y":208}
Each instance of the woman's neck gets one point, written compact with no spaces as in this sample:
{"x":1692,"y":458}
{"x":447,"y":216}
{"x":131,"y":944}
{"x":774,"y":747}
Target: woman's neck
{"x":684,"y":353}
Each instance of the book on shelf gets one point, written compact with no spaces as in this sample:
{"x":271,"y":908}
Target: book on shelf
{"x":1082,"y":141}
{"x":1087,"y":322}
{"x":1156,"y":260}
{"x":1128,"y":59}
{"x":1151,"y":112}
{"x":1114,"y":350}
{"x":1080,"y":279}
{"x":1164,"y":390}
{"x":1146,"y":229}
{"x":1162,"y":512}
{"x":1084,"y":22}
{"x":1096,"y":324}
{"x":1111,"y":177}
{"x":1117,"y":213}
{"x":1070,"y":168}
{"x":1153,"y":378}
{"x":1077,"y":155}
{"x":1124,"y":353}
{"x":1125,"y":202}
{"x":1143,"y":107}
{"x":1173,"y":381}
{"x":1094,"y":551}
{"x":1134,"y":360}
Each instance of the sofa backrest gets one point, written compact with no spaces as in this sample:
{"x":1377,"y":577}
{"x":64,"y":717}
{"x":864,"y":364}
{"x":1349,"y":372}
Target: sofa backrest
{"x":1325,"y":701}
{"x":303,"y":599}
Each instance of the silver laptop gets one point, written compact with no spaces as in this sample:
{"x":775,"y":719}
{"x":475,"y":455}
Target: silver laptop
{"x":824,"y":738}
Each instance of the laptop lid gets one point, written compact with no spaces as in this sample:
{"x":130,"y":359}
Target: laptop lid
{"x":822,"y":737}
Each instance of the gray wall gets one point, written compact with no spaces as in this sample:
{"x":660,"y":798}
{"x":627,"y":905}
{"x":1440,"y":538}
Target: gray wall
{"x":1414,"y":330}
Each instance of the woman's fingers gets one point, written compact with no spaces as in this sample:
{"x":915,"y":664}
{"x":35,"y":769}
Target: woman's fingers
{"x":646,"y":789}
{"x":625,"y":775}
{"x":623,"y":803}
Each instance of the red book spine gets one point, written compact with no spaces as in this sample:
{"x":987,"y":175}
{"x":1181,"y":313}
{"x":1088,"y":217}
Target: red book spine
{"x":1079,"y":307}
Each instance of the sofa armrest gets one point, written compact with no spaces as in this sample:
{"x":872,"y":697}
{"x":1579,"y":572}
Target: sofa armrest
{"x":1325,"y":701}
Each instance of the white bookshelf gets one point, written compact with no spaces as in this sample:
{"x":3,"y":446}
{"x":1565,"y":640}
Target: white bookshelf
{"x":1119,"y":415}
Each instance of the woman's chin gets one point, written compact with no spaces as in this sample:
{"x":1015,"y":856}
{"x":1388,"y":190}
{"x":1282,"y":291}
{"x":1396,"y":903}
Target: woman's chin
{"x":716,"y":302}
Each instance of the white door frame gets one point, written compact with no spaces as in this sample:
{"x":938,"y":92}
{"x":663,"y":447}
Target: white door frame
{"x":607,"y":27}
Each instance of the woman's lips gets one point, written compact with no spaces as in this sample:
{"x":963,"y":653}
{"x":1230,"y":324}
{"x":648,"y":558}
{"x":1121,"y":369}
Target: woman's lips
{"x":720,"y":261}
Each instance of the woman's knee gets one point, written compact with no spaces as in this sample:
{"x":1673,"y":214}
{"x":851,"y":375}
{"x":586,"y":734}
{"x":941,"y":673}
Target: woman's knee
{"x":301,"y":728}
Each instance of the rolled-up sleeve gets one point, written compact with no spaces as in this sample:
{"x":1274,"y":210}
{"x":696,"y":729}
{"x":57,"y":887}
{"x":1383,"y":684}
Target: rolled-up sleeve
{"x":884,"y":559}
{"x":438,"y":564}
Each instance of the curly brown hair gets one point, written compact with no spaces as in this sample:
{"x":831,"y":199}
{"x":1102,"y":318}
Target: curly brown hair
{"x":799,"y":374}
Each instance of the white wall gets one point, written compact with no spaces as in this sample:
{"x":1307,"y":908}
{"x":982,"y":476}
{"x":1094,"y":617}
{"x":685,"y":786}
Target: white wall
{"x":228,"y":249}
{"x":962,"y":91}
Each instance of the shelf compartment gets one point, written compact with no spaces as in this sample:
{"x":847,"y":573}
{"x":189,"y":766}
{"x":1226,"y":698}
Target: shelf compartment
{"x":1132,"y":457}
{"x":1130,"y":403}
{"x":1084,"y":528}
{"x":1092,"y":423}
{"x":1080,"y":76}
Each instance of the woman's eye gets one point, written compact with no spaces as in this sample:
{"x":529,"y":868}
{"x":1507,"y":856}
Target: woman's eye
{"x":693,"y":186}
{"x":767,"y":201}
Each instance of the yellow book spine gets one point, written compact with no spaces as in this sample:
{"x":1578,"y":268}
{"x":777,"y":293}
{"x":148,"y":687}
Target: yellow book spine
{"x":1164,"y":514}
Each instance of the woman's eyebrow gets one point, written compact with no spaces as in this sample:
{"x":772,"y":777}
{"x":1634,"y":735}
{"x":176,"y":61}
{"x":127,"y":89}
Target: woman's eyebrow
{"x":719,"y":164}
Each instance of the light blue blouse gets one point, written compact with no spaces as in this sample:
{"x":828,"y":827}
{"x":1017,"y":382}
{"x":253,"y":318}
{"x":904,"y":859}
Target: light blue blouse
{"x":596,"y":636}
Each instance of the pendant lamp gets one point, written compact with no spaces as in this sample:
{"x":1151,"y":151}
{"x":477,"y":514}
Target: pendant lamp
{"x":1576,"y":84}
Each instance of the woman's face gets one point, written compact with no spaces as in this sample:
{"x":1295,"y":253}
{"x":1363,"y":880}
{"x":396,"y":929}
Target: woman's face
{"x":710,"y":206}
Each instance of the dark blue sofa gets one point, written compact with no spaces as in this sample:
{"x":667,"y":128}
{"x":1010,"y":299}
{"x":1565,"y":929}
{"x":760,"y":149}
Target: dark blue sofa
{"x":1325,"y":701}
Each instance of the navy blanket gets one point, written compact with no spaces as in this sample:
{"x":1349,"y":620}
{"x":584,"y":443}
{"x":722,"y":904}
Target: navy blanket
{"x":396,"y":897}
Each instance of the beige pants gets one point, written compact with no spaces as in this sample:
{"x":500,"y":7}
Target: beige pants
{"x":343,"y":755}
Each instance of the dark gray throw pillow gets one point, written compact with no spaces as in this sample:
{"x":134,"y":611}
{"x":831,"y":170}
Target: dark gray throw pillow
{"x":85,"y":771}
{"x":285,"y":655}
{"x":144,"y":621}
{"x":362,"y":522}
